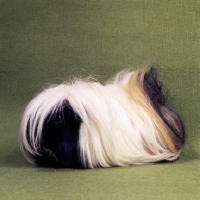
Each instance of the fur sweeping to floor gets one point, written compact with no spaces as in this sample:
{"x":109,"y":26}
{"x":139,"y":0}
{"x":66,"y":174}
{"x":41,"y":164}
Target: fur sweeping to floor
{"x":85,"y":124}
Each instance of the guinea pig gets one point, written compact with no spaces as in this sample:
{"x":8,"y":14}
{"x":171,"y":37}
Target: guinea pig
{"x":85,"y":124}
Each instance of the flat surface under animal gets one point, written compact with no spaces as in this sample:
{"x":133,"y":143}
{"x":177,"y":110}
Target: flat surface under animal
{"x":46,"y":42}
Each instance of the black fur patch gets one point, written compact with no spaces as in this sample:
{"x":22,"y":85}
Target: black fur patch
{"x":154,"y":91}
{"x":59,"y":146}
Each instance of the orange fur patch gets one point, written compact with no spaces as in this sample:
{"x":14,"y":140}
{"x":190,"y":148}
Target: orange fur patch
{"x":136,"y":92}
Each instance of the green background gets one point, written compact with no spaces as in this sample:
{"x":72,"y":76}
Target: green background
{"x":50,"y":41}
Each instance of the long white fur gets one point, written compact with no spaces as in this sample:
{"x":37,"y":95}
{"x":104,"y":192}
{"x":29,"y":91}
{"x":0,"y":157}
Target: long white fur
{"x":115,"y":131}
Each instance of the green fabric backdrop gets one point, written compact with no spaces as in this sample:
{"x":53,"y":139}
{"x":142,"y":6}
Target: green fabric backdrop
{"x":49,"y":41}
